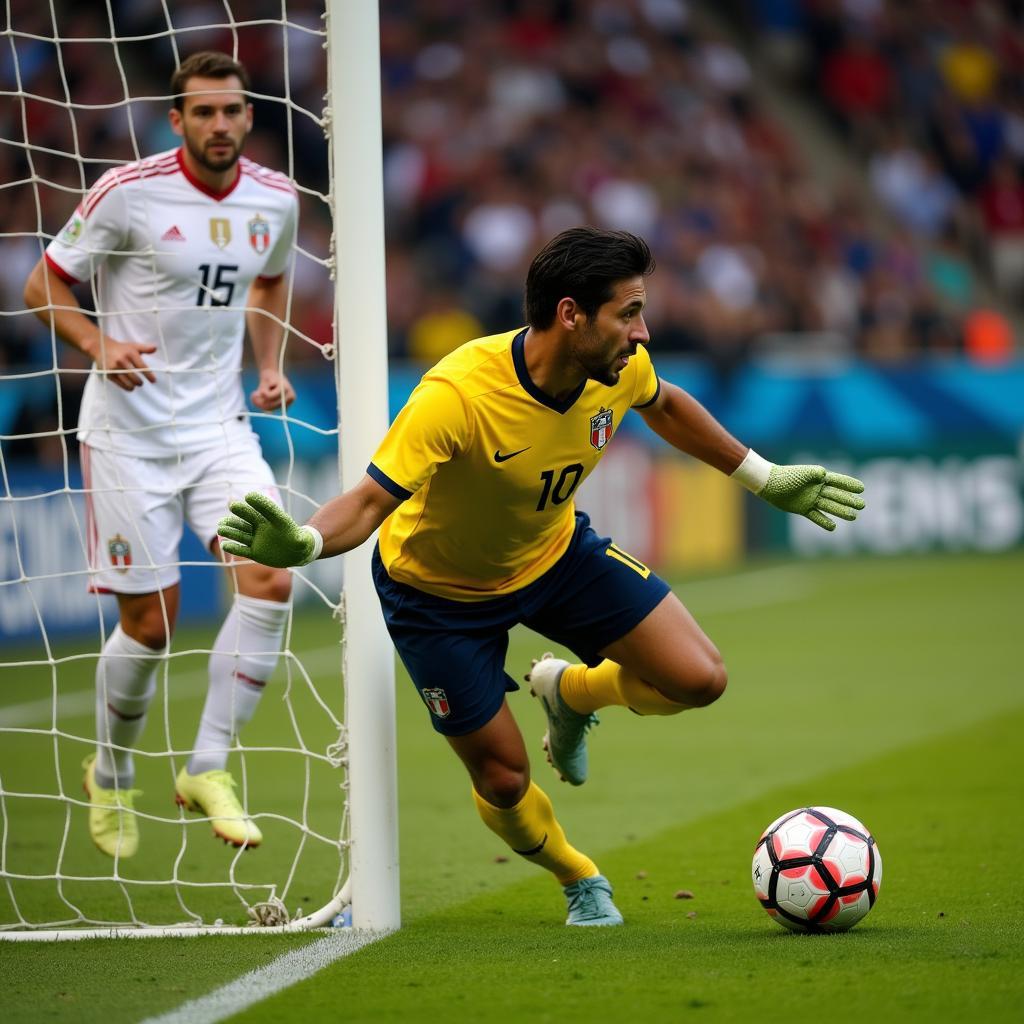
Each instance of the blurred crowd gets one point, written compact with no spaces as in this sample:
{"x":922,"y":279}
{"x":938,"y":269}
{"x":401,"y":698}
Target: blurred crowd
{"x":508,"y":120}
{"x":929,"y":94}
{"x":508,"y":123}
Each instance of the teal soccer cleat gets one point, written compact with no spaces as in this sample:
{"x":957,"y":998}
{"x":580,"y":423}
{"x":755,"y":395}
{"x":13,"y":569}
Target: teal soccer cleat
{"x":566,"y":738}
{"x":590,"y":903}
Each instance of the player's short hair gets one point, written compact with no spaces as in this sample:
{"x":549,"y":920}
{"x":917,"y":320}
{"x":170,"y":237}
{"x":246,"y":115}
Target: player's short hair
{"x":584,"y":264}
{"x":207,"y":64}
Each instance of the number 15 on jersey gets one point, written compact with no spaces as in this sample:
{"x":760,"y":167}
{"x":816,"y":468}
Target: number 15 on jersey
{"x":217,"y":284}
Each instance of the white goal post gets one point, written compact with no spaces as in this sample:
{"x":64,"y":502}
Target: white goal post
{"x":343,"y":819}
{"x":353,"y":48}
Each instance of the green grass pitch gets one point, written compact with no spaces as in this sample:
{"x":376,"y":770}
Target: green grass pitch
{"x":889,"y":688}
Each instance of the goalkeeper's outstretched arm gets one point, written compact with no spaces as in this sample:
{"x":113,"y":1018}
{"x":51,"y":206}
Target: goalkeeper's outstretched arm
{"x":810,"y":491}
{"x":258,"y":528}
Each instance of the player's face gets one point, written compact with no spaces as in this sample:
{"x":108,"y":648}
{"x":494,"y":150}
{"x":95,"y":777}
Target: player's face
{"x":214,"y":122}
{"x":604,"y":344}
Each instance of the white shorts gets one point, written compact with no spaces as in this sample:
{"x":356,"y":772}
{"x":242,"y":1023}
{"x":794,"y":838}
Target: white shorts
{"x":136,"y":508}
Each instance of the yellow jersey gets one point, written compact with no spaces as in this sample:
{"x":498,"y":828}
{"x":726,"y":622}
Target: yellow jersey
{"x":488,"y":464}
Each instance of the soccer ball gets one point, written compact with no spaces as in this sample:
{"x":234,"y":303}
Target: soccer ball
{"x":817,"y":869}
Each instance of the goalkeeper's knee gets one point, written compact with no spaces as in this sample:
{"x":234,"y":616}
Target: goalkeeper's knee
{"x":697,"y":683}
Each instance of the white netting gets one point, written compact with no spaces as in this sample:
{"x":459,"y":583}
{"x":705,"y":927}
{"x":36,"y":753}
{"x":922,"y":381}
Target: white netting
{"x":84,"y":90}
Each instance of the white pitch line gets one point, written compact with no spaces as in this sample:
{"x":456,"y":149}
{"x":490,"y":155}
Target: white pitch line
{"x":264,"y":982}
{"x":186,"y":684}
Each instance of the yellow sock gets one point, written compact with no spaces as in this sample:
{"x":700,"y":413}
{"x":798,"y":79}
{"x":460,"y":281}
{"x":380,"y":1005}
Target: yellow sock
{"x":532,"y":831}
{"x":587,"y":689}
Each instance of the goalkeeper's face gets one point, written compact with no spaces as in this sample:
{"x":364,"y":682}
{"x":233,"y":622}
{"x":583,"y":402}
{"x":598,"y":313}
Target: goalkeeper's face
{"x":603,"y":345}
{"x":214,"y":121}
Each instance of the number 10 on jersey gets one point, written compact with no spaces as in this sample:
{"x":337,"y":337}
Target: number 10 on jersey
{"x":560,"y":490}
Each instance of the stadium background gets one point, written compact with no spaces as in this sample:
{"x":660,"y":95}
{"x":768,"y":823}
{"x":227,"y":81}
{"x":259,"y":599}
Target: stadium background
{"x":833,"y":191}
{"x":813,"y":312}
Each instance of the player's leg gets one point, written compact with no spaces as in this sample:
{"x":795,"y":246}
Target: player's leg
{"x":242,"y":661}
{"x":134,"y":523}
{"x":455,"y":655}
{"x":126,"y":680}
{"x":248,"y":644}
{"x":244,"y":656}
{"x":125,"y":684}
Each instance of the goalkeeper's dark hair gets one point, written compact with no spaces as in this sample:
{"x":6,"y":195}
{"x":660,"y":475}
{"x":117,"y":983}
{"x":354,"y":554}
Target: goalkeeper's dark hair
{"x":206,"y":64}
{"x":583,"y":264}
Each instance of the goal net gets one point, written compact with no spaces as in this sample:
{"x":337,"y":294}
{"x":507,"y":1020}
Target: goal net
{"x":85,"y":90}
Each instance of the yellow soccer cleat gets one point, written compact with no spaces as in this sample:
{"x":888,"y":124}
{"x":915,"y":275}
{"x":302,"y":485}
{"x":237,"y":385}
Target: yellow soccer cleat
{"x":112,"y":823}
{"x":213,"y":794}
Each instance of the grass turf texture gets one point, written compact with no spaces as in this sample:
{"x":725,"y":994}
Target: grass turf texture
{"x":888,"y":689}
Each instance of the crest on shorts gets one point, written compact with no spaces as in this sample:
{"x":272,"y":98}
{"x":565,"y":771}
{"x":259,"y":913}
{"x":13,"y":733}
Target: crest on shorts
{"x":220,"y":232}
{"x":601,"y":428}
{"x":437,"y":701}
{"x":120,"y":552}
{"x":259,"y":234}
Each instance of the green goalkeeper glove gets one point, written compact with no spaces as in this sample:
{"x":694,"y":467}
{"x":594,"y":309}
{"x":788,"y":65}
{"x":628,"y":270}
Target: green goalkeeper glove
{"x":809,"y":491}
{"x":261,"y":530}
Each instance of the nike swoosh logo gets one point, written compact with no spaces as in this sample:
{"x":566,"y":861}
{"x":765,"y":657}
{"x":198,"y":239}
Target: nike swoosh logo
{"x":540,"y":845}
{"x":498,"y":457}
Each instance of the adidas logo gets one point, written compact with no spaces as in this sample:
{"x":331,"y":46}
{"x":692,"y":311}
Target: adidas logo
{"x":172,"y":234}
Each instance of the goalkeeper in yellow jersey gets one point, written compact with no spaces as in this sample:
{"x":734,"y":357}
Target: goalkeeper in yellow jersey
{"x":472,"y":488}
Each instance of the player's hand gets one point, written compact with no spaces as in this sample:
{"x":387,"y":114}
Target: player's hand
{"x":274,"y":390}
{"x":812,"y":491}
{"x":261,"y":530}
{"x":121,"y":362}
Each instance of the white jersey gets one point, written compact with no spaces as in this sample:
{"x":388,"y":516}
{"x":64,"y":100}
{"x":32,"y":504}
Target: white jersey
{"x":173,"y":262}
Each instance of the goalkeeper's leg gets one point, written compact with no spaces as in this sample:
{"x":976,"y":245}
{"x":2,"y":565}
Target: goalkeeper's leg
{"x":664,"y":665}
{"x":640,"y":649}
{"x":520,"y":813}
{"x":243,"y":659}
{"x":455,"y":653}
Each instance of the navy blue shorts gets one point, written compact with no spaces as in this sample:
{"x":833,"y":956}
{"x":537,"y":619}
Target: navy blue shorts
{"x":455,"y":650}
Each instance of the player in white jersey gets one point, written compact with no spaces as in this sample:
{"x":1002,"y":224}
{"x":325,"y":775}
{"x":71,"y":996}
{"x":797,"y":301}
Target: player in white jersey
{"x":185,"y":250}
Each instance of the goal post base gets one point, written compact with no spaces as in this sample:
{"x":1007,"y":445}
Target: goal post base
{"x":318,"y":920}
{"x":190,"y":932}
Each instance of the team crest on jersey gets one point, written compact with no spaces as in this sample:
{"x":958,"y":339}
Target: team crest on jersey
{"x":220,"y":232}
{"x":601,"y":428}
{"x":437,"y":701}
{"x":259,"y":234}
{"x":73,"y":230}
{"x":120,"y":552}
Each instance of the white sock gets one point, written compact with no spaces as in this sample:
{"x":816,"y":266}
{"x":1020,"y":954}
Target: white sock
{"x":125,"y":684}
{"x":243,"y":659}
